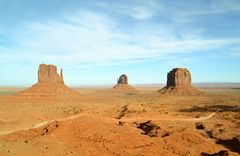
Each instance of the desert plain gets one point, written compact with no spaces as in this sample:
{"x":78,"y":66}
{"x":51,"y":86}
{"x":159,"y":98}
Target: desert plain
{"x":119,"y":78}
{"x":102,"y":122}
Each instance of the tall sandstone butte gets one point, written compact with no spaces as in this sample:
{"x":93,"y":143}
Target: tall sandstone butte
{"x":179,"y":77}
{"x":123,"y":79}
{"x":50,"y":84}
{"x":48,"y":73}
{"x":123,"y":86}
{"x":179,"y":82}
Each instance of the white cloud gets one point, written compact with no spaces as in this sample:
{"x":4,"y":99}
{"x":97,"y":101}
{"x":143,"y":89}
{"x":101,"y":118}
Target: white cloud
{"x":136,"y":9}
{"x":96,"y":38}
{"x":140,"y":13}
{"x":183,"y":13}
{"x":221,"y":6}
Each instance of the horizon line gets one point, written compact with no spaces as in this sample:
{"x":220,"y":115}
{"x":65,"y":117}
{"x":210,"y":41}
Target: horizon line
{"x":134,"y":84}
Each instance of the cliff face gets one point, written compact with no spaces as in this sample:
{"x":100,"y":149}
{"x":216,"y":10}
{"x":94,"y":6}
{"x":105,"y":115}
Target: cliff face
{"x":123,"y":79}
{"x":178,"y":77}
{"x":48,"y":73}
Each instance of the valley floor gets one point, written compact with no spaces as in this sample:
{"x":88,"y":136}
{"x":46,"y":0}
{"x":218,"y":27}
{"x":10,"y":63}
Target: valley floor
{"x":101,"y":122}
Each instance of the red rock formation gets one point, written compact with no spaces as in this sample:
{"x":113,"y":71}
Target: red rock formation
{"x":48,"y":73}
{"x":179,"y":82}
{"x":178,"y":77}
{"x":50,"y":84}
{"x":123,"y":86}
{"x":123,"y":79}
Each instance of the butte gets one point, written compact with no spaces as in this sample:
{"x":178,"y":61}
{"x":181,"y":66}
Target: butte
{"x":179,"y":82}
{"x":50,"y":85}
{"x":122,"y":85}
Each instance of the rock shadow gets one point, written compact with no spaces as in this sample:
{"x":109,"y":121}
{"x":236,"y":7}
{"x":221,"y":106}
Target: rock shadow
{"x":232,"y":144}
{"x":213,"y":108}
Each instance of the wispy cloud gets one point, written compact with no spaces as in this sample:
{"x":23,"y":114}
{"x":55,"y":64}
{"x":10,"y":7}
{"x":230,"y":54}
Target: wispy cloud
{"x":92,"y":37}
{"x":115,"y":34}
{"x":143,"y":10}
{"x":135,"y":9}
{"x":222,"y":6}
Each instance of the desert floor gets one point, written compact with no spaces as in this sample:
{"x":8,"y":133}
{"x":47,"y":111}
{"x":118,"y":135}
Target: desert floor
{"x":101,"y":122}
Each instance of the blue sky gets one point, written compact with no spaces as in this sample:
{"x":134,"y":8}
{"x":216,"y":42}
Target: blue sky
{"x":96,"y":41}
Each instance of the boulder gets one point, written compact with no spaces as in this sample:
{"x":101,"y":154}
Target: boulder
{"x":199,"y":125}
{"x":149,"y":128}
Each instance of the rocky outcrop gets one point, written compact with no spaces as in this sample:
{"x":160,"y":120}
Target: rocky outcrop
{"x":123,"y":86}
{"x":50,"y":85}
{"x":149,"y":128}
{"x":123,"y":79}
{"x":179,"y":82}
{"x":123,"y":112}
{"x":220,"y":153}
{"x":179,"y":77}
{"x":48,"y":73}
{"x":30,"y":134}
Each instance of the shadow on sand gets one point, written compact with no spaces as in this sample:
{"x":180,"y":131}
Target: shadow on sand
{"x":214,"y":108}
{"x":232,"y":144}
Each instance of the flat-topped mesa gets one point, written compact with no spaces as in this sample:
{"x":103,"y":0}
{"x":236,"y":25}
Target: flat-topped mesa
{"x":48,"y":73}
{"x":123,"y":79}
{"x":178,"y":77}
{"x":179,"y":82}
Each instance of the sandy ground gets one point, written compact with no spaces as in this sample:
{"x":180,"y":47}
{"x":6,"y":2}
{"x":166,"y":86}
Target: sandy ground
{"x":101,"y":122}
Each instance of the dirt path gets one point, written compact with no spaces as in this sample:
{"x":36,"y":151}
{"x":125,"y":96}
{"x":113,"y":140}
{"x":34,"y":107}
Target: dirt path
{"x":170,"y":119}
{"x":113,"y":120}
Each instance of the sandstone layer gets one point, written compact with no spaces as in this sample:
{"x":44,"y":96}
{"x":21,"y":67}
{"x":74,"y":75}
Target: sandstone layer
{"x":48,"y":73}
{"x":50,"y":84}
{"x":179,"y":82}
